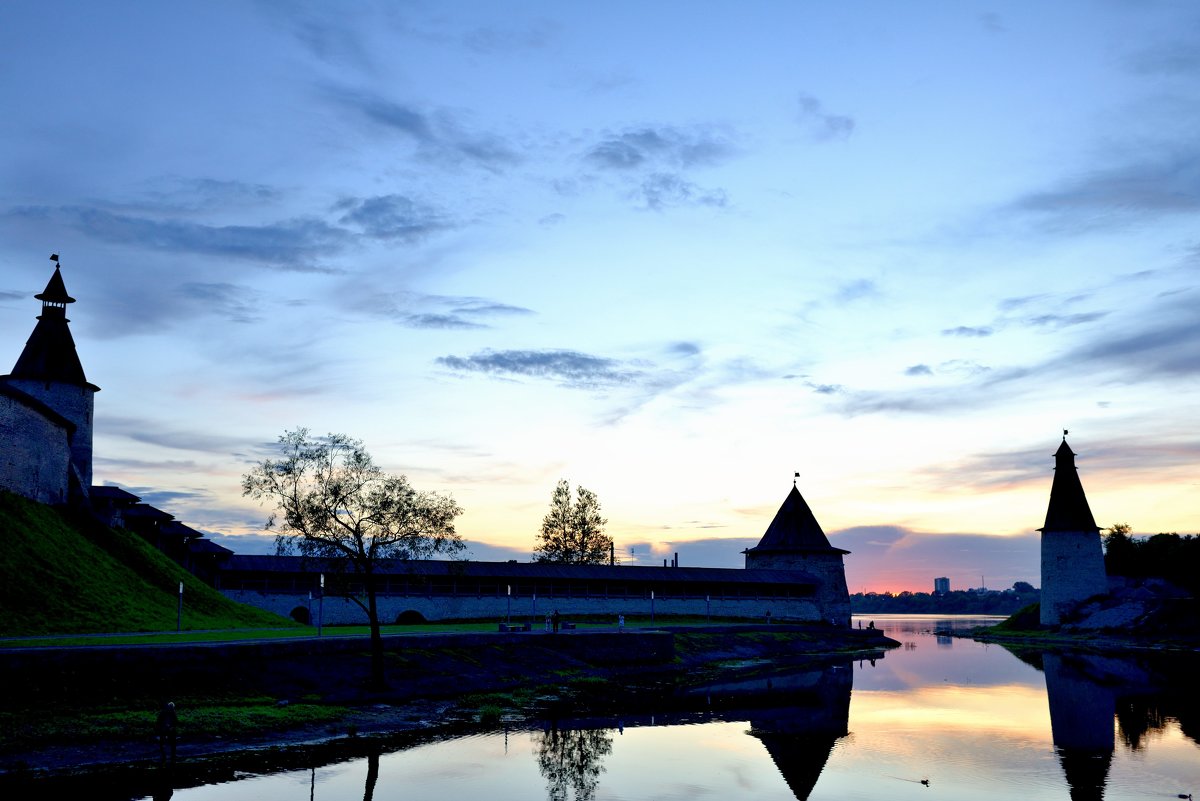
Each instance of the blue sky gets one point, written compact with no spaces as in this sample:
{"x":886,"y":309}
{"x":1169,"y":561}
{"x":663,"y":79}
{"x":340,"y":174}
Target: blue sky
{"x":673,"y":252}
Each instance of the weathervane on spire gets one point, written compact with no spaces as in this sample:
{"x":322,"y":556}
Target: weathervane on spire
{"x":1065,"y":432}
{"x":54,"y":258}
{"x":794,"y":479}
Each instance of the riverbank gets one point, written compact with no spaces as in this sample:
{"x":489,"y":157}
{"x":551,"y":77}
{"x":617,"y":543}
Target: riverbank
{"x":1115,"y":623}
{"x":81,"y":709}
{"x":1093,"y":640}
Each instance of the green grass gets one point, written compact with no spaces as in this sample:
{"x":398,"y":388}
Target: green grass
{"x":62,"y":575}
{"x":1027,"y":619}
{"x":201,"y":718}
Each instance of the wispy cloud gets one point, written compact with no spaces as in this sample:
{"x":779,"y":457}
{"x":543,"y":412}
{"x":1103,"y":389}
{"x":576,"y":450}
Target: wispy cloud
{"x":655,"y":148}
{"x":147,"y":432}
{"x":392,"y":217}
{"x":815,"y":386}
{"x":1022,"y":467}
{"x":652,"y":162}
{"x":663,"y":190}
{"x":1181,"y":57}
{"x":1122,"y":193}
{"x":919,"y":369}
{"x":191,"y":195}
{"x":146,"y":466}
{"x":439,"y":135}
{"x":492,"y":39}
{"x":820,"y":124}
{"x":297,"y":244}
{"x":1064,"y":320}
{"x":1161,"y":342}
{"x":165,"y":499}
{"x":233,"y":302}
{"x":419,"y":310}
{"x":968,"y":331}
{"x":856,"y":290}
{"x":1168,"y":346}
{"x":565,"y":367}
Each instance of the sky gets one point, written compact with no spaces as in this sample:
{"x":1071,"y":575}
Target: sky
{"x":674,"y":252}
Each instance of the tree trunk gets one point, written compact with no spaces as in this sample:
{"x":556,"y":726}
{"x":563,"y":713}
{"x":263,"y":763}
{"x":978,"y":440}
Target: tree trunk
{"x":377,"y":682}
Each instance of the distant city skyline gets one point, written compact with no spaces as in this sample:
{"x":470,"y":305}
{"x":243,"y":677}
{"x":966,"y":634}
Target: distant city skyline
{"x":671,"y":253}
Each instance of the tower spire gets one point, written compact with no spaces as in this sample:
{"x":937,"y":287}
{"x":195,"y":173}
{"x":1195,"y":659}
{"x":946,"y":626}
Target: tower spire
{"x":49,"y":353}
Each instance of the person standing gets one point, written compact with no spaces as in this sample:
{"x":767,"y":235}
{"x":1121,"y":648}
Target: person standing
{"x":166,"y":728}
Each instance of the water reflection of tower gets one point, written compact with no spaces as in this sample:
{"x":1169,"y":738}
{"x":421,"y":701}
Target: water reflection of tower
{"x":1081,"y":724}
{"x":800,"y":734}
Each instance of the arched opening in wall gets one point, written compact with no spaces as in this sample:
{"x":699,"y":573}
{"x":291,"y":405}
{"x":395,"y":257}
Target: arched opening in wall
{"x":410,"y":617}
{"x":300,"y":615}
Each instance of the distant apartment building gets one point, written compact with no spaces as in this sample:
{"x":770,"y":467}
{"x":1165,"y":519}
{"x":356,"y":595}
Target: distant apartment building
{"x":941,"y":585}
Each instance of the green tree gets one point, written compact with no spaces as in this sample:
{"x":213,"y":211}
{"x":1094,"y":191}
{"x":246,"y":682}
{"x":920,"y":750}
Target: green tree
{"x":333,"y":503}
{"x":1023,"y":586}
{"x":1120,"y":550}
{"x":573,"y":532}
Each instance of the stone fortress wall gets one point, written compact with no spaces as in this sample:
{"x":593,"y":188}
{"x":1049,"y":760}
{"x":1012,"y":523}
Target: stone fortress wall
{"x":36,"y":454}
{"x":338,"y":610}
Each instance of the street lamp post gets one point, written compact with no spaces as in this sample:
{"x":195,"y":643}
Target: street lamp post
{"x":651,"y":606}
{"x":179,"y":610}
{"x":508,"y":611}
{"x":321,"y":606}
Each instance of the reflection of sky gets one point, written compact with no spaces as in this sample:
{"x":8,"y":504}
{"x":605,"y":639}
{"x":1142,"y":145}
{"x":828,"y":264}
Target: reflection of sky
{"x":921,"y":661}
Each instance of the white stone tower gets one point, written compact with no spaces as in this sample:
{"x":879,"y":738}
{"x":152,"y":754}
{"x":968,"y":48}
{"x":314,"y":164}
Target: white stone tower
{"x":795,"y":541}
{"x":1072,"y":556}
{"x":49,"y":370}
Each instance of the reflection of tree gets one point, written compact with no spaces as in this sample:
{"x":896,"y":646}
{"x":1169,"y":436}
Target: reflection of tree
{"x":1139,"y":717}
{"x":372,"y":775}
{"x":570,"y":760}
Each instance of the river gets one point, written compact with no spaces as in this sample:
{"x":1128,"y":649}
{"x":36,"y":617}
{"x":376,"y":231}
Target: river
{"x":939,"y":717}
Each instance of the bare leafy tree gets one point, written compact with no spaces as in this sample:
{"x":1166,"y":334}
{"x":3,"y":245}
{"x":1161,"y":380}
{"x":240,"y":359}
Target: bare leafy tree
{"x":333,"y":503}
{"x":573,"y":532}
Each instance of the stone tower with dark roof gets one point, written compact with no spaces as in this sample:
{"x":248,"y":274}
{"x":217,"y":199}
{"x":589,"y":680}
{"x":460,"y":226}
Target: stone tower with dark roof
{"x":1072,"y":556}
{"x":48,"y":379}
{"x":795,"y":541}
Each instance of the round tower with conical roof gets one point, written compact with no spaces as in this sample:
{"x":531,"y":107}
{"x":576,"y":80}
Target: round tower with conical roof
{"x":1072,"y":556}
{"x":49,"y":371}
{"x":795,"y":541}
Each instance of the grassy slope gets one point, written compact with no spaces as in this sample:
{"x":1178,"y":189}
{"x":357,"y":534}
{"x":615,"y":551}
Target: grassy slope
{"x":59,"y":575}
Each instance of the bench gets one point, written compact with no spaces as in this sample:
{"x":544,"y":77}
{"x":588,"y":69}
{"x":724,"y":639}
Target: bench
{"x":506,"y":627}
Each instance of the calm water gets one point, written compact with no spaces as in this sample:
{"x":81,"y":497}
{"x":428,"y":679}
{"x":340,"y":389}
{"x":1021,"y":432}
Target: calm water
{"x":972,"y":720}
